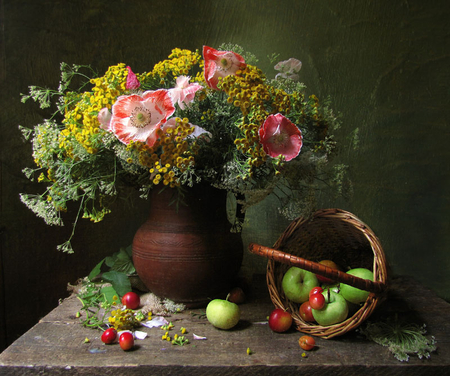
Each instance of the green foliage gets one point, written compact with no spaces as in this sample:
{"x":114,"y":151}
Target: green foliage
{"x":401,"y":338}
{"x":121,"y":261}
{"x":109,"y":293}
{"x":120,"y":266}
{"x":102,"y":288}
{"x":248,"y":56}
{"x":97,"y":301}
{"x":81,"y":160}
{"x":96,"y":271}
{"x":119,"y":281}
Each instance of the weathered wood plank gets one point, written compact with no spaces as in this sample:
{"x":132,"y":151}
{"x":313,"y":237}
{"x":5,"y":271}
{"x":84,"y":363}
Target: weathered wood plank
{"x":56,"y":344}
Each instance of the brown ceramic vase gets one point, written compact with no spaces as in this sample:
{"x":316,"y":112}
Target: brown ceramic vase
{"x":185,"y":252}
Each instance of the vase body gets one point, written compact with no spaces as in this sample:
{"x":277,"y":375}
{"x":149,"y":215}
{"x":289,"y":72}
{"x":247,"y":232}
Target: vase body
{"x":186,"y":252}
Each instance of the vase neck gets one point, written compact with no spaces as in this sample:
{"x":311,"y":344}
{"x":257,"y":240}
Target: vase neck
{"x":199,"y":203}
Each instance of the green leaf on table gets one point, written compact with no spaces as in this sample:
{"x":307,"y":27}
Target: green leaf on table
{"x":119,"y":281}
{"x":109,"y":292}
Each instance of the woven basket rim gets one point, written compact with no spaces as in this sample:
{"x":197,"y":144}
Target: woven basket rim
{"x":379,"y":271}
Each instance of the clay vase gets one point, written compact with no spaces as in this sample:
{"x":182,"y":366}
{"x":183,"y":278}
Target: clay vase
{"x":185,"y":251}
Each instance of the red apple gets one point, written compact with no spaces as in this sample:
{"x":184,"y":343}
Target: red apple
{"x":305,"y":312}
{"x":330,"y":264}
{"x":236,"y":295}
{"x":307,"y":342}
{"x":280,"y":320}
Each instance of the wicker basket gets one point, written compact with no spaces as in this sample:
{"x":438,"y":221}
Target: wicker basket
{"x":329,"y":234}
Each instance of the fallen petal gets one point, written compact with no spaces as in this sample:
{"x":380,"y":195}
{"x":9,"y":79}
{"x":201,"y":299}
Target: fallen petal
{"x":198,"y":337}
{"x":140,"y":335}
{"x":155,"y":322}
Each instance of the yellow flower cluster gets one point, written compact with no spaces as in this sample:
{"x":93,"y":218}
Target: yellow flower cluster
{"x":81,"y":110}
{"x":256,"y":100}
{"x":317,"y":121}
{"x":177,"y":339}
{"x":123,"y":319}
{"x":247,"y":89}
{"x":171,"y":152}
{"x":179,"y":62}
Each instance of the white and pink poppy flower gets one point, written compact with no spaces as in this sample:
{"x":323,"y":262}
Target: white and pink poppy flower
{"x":138,"y":117}
{"x":132,"y":81}
{"x":279,"y":136}
{"x":184,"y":92}
{"x":220,"y":64}
{"x":198,"y":131}
{"x":104,"y":118}
{"x":289,"y":69}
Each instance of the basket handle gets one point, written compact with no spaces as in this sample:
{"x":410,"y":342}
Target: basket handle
{"x":316,"y":268}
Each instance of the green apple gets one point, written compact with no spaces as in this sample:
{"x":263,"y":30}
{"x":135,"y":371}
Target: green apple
{"x":333,"y":287}
{"x":352,"y":294}
{"x":222,"y":313}
{"x":352,"y":307}
{"x":297,"y":283}
{"x":334,"y":311}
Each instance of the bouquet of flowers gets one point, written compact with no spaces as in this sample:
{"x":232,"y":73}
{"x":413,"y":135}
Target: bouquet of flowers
{"x":211,"y":118}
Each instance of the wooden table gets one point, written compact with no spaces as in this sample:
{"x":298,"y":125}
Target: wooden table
{"x":56,"y":344}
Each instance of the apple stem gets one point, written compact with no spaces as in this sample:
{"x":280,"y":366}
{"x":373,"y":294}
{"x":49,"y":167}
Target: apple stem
{"x":328,"y":294}
{"x":227,"y":296}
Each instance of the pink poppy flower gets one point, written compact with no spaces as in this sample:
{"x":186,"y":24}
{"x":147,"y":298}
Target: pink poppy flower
{"x":104,"y":118}
{"x":279,"y":136}
{"x":184,"y":92}
{"x":132,"y":81}
{"x":137,"y":118}
{"x":220,"y":64}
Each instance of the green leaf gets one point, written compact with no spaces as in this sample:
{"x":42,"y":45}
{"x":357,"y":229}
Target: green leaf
{"x":124,"y":263}
{"x":109,"y":260}
{"x":119,"y":281}
{"x":109,"y":292}
{"x":129,"y":250}
{"x":121,"y":262}
{"x":96,"y":271}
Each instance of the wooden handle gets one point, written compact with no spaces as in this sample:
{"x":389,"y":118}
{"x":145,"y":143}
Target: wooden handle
{"x":316,"y":268}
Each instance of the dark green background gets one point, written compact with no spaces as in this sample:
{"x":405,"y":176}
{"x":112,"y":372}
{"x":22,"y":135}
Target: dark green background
{"x":384,"y":63}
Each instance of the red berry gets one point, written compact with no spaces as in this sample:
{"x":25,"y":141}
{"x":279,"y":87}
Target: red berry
{"x":315,"y":290}
{"x":109,"y":335}
{"x":126,"y":341}
{"x":317,"y":301}
{"x":131,"y":300}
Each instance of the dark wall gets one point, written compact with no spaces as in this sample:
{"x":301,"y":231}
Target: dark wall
{"x":384,"y":63}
